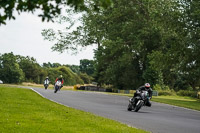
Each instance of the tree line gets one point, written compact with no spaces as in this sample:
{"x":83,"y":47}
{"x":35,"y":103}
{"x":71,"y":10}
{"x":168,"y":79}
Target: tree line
{"x":18,"y":69}
{"x":155,"y":41}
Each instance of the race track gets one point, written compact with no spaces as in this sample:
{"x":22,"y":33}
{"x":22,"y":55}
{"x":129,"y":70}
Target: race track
{"x":160,"y":118}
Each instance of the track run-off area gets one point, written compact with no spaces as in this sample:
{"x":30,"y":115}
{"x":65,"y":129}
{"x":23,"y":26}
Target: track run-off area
{"x":160,"y":118}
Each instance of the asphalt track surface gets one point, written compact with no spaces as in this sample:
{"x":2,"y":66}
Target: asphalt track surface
{"x":160,"y":118}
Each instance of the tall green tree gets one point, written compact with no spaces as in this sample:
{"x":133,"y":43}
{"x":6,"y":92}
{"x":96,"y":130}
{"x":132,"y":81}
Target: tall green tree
{"x":87,"y":66}
{"x":178,"y":57}
{"x":74,"y":68}
{"x":10,"y":71}
{"x":32,"y":70}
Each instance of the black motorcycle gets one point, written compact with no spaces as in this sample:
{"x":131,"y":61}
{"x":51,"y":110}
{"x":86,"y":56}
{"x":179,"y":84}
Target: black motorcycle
{"x":46,"y":83}
{"x":46,"y":86}
{"x":139,"y":101}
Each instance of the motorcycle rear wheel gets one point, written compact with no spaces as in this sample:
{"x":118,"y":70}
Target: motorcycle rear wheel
{"x":129,"y":107}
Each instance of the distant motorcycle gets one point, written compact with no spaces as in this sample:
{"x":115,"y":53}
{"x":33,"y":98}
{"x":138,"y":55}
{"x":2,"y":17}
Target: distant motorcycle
{"x":58,"y":85}
{"x":46,"y":84}
{"x":140,"y":100}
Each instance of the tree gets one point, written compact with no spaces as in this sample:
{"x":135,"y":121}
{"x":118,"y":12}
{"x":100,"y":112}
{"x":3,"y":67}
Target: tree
{"x":49,"y":8}
{"x":74,"y":68}
{"x":141,"y":41}
{"x":70,"y":78}
{"x":32,"y":70}
{"x":86,"y":78}
{"x":88,"y":33}
{"x":178,"y":57}
{"x":87,"y":66}
{"x":191,"y":65}
{"x":10,"y":69}
{"x":47,"y":65}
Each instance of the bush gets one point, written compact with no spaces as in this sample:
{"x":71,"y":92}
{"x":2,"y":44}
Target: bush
{"x":166,"y":93}
{"x":166,"y":88}
{"x":187,"y":93}
{"x":86,"y":78}
{"x":157,"y":87}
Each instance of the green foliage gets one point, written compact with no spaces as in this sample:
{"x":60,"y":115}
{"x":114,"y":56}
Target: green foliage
{"x":49,"y":65}
{"x":74,"y":68}
{"x":86,"y":78}
{"x":141,"y":41}
{"x":166,"y":93}
{"x":187,"y":93}
{"x":87,"y":66}
{"x":164,"y":90}
{"x":70,"y":78}
{"x":17,"y":69}
{"x":32,"y":70}
{"x":157,"y":87}
{"x":49,"y":8}
{"x":10,"y":71}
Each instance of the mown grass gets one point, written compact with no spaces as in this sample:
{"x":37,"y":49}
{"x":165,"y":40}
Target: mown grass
{"x":49,"y":87}
{"x":22,"y":110}
{"x":182,"y":101}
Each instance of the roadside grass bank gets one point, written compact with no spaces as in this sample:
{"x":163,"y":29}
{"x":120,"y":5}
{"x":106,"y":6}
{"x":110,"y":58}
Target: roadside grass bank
{"x":181,"y":101}
{"x":22,"y":110}
{"x":42,"y":86}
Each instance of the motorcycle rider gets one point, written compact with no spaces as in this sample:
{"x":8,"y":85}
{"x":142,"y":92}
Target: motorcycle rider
{"x":61,"y":80}
{"x":46,"y":81}
{"x":145,"y":87}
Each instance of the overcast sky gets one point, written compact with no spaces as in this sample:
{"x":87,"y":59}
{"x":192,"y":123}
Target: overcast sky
{"x":22,"y":36}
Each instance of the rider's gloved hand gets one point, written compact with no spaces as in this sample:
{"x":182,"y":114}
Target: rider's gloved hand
{"x":149,"y":98}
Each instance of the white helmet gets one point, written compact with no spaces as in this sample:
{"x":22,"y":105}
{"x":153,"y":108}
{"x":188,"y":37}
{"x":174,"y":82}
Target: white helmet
{"x":147,"y":85}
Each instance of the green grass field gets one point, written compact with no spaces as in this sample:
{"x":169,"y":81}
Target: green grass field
{"x":181,"y":101}
{"x":24,"y":111}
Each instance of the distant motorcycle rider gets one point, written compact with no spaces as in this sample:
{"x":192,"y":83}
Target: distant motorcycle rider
{"x":46,"y":82}
{"x":146,"y":87}
{"x":61,"y":80}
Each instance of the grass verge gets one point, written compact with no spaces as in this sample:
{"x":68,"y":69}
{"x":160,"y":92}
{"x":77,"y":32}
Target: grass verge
{"x":22,"y":110}
{"x":181,"y":101}
{"x":50,"y":86}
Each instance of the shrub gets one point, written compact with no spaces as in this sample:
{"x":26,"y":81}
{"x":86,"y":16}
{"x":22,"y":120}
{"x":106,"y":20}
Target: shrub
{"x":157,"y":87}
{"x":166,"y":93}
{"x":187,"y":93}
{"x":166,"y":88}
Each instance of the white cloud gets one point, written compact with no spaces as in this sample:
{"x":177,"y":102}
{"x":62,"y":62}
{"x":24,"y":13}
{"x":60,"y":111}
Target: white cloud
{"x":23,"y":37}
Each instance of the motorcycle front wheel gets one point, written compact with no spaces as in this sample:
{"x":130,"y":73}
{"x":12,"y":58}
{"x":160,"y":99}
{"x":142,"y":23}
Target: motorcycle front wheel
{"x":138,"y":106}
